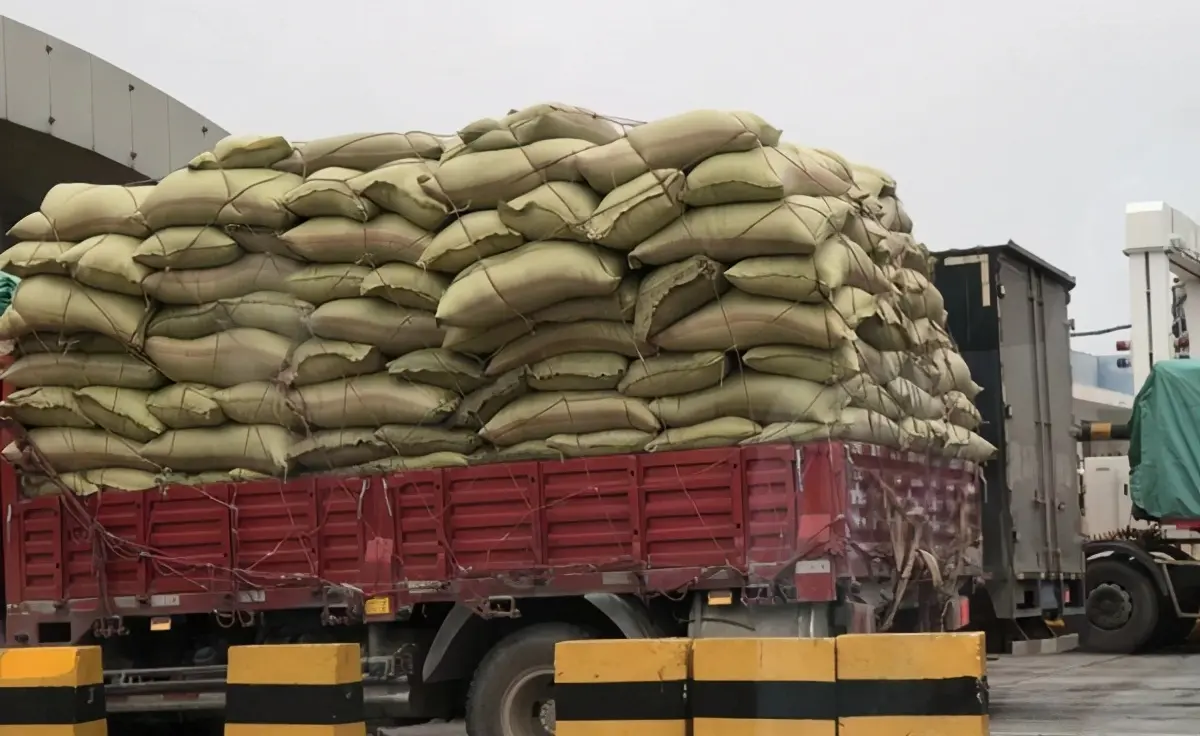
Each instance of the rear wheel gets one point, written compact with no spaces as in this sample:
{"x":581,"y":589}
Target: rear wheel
{"x":1122,"y":608}
{"x":512,"y":693}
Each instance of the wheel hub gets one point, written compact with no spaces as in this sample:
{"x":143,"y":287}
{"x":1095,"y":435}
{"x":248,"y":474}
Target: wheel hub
{"x":528,"y":705}
{"x":1109,"y":606}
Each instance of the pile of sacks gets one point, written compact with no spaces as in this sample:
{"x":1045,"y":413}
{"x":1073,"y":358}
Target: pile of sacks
{"x":544,"y":285}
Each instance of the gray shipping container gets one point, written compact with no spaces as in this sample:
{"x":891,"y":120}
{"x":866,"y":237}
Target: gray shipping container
{"x":1008,"y":314}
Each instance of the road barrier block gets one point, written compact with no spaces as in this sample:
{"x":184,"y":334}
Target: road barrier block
{"x":621,"y":687}
{"x":763,"y":687}
{"x":295,"y":690}
{"x":903,"y":684}
{"x":52,"y":691}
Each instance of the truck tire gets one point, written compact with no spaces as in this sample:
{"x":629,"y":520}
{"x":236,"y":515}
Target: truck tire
{"x":1122,"y":608}
{"x":512,"y":691}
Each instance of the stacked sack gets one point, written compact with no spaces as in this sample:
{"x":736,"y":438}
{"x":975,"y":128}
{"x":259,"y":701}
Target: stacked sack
{"x":542,"y":285}
{"x":80,"y":379}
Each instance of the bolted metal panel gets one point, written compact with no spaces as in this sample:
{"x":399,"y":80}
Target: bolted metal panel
{"x":70,"y":112}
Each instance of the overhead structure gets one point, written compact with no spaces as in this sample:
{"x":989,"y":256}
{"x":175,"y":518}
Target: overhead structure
{"x":66,"y":115}
{"x":1163,"y":246}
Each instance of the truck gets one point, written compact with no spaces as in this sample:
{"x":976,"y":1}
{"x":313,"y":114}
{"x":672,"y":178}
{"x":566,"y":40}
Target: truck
{"x":458,"y":582}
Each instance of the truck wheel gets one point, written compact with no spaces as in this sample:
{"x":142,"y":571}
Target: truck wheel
{"x":512,"y":693}
{"x":1122,"y":608}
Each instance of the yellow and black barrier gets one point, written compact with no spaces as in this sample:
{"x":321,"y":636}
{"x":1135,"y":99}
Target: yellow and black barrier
{"x":295,"y":689}
{"x":52,"y":691}
{"x":854,"y":685}
{"x":902,"y":684}
{"x":763,"y":687}
{"x":621,"y":687}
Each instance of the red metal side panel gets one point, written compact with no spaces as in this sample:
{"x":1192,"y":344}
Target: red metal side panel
{"x":35,"y":550}
{"x":188,"y":535}
{"x":349,"y":543}
{"x":274,"y":534}
{"x":418,"y":510}
{"x":691,"y":508}
{"x":104,"y":531}
{"x":493,"y":519}
{"x":591,"y":513}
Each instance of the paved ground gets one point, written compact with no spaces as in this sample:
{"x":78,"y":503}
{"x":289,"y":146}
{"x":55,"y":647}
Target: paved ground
{"x":1072,"y":694}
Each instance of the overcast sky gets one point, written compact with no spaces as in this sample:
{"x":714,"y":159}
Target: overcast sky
{"x":1023,"y":120}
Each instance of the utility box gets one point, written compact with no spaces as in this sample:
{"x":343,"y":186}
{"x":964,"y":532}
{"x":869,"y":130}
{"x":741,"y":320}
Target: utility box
{"x":1007,"y":311}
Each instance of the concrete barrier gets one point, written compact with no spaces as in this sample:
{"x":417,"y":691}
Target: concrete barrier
{"x":621,"y":687}
{"x":295,"y":689}
{"x":902,"y":684}
{"x":763,"y":687}
{"x":52,"y":691}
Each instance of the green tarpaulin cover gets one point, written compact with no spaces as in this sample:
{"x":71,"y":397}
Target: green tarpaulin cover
{"x":1164,"y":442}
{"x":8,"y":285}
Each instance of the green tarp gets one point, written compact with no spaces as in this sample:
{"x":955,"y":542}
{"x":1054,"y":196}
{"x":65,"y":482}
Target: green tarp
{"x":1164,"y":445}
{"x":8,"y":285}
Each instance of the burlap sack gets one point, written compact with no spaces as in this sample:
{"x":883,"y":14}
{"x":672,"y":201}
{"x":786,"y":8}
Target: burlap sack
{"x":74,"y":212}
{"x":637,"y":209}
{"x":324,"y":282}
{"x":672,"y":375}
{"x":362,"y":151}
{"x":744,"y":321}
{"x":396,"y":188}
{"x":124,"y":480}
{"x":672,"y":292}
{"x":394,"y":330}
{"x":557,"y":209}
{"x":56,"y":342}
{"x":408,"y":440}
{"x":282,"y":314}
{"x":122,"y":411}
{"x":402,"y":464}
{"x":45,"y":406}
{"x":439,"y":367}
{"x":240,"y":355}
{"x":76,"y":370}
{"x":470,"y":238}
{"x":532,"y":277}
{"x":480,"y":181}
{"x":764,"y":174}
{"x":678,"y":142}
{"x":881,"y":365}
{"x":722,"y":432}
{"x":388,"y":238}
{"x":33,"y":257}
{"x":478,"y":407}
{"x":837,"y":263}
{"x":960,"y":411}
{"x":405,"y":286}
{"x":187,"y":247}
{"x":106,"y":262}
{"x":72,"y":450}
{"x":965,"y":444}
{"x":918,"y":297}
{"x":244,"y":152}
{"x":865,"y":393}
{"x":541,"y":415}
{"x":915,"y":401}
{"x":254,"y":272}
{"x":59,"y":304}
{"x":584,"y":371}
{"x":520,"y":452}
{"x":854,"y":305}
{"x":893,"y":216}
{"x":930,"y":336}
{"x":811,"y":364}
{"x":855,"y":425}
{"x":591,"y":444}
{"x":757,"y":397}
{"x":261,"y":447}
{"x":261,"y":402}
{"x":876,"y":241}
{"x":874,"y":182}
{"x":923,"y":435}
{"x":889,"y":329}
{"x":925,"y":374}
{"x":559,"y":339}
{"x":318,"y":360}
{"x":374,"y":400}
{"x":336,"y":448}
{"x":730,"y":232}
{"x":221,"y":197}
{"x":327,"y":193}
{"x":538,"y":123}
{"x":952,"y":365}
{"x":200,"y":480}
{"x":186,"y":406}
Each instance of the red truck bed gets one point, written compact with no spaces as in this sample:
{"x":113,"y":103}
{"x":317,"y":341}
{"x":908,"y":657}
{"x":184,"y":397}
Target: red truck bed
{"x":646,"y":523}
